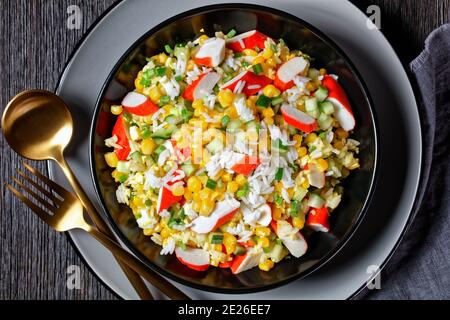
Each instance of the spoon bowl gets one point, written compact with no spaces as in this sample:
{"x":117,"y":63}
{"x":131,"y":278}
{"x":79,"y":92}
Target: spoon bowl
{"x":37,"y":124}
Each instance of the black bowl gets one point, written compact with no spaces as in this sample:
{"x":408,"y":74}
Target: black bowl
{"x":297,"y":34}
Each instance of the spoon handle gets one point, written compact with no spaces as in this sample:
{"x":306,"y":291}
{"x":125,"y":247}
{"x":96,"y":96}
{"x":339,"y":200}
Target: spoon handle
{"x":132,"y":276}
{"x":154,"y":278}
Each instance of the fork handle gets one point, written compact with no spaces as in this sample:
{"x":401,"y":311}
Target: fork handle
{"x":134,"y":279}
{"x":155,"y":279}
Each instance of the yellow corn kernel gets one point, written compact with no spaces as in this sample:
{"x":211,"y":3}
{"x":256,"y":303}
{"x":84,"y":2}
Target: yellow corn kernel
{"x":148,"y":232}
{"x":194,"y":184}
{"x":305,"y":184}
{"x":241,"y":180}
{"x":341,"y":133}
{"x":298,"y":140}
{"x":250,"y":52}
{"x":158,"y":228}
{"x":311,"y":86}
{"x":276,"y":213}
{"x":162,"y":58}
{"x":216,"y":247}
{"x":338,"y":145}
{"x":271,"y":91}
{"x":266,"y":265}
{"x":271,"y":63}
{"x":232,"y":186}
{"x":196,"y":205}
{"x":111,"y":159}
{"x":155,"y":94}
{"x":147,"y":146}
{"x":229,"y":241}
{"x":268,"y":121}
{"x":264,"y":242}
{"x":290,"y":192}
{"x":322,"y":164}
{"x":354,"y":165}
{"x":178,"y":190}
{"x":116,"y":109}
{"x":258,"y":59}
{"x":205,"y":194}
{"x":226,"y":177}
{"x":262,"y":231}
{"x":267,"y":53}
{"x":278,"y":187}
{"x":203,"y":180}
{"x":165,"y":233}
{"x":202,"y":39}
{"x":190,"y":65}
{"x":188,"y":195}
{"x":198,"y":104}
{"x":268,"y":113}
{"x":225,"y":98}
{"x":298,"y":222}
{"x":311,"y":137}
{"x":323,"y":71}
{"x":206,"y":207}
{"x":232,"y":112}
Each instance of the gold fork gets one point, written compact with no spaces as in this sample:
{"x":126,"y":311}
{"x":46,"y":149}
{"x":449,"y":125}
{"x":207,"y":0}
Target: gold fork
{"x":65,"y":213}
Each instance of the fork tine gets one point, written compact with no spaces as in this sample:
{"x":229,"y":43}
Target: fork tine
{"x":39,"y":187}
{"x":41,"y":200}
{"x":40,"y":212}
{"x":53,"y":185}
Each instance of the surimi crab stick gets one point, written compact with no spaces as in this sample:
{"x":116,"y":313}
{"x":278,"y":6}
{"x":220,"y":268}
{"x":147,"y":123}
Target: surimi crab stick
{"x":138,"y":104}
{"x":252,"y":83}
{"x":202,"y":86}
{"x":284,"y":78}
{"x":298,"y":119}
{"x":318,"y":219}
{"x":196,"y":259}
{"x":338,"y":97}
{"x":211,"y":53}
{"x":223,"y":213}
{"x":247,"y":40}
{"x":119,"y":131}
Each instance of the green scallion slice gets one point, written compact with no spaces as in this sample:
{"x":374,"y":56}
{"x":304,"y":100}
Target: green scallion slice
{"x":211,"y":184}
{"x":279,"y":174}
{"x":257,"y":68}
{"x":263,"y":101}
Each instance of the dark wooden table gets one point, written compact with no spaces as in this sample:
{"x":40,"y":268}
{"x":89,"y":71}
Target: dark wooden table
{"x":34,"y":47}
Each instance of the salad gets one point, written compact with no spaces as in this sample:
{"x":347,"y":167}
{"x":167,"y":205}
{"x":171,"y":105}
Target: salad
{"x":230,"y":149}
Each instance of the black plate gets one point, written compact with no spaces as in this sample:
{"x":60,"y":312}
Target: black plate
{"x":297,"y":34}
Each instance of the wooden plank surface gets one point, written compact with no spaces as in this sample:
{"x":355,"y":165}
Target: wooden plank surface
{"x":34,"y":47}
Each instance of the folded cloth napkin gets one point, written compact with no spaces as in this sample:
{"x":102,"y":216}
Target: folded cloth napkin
{"x":420,"y":268}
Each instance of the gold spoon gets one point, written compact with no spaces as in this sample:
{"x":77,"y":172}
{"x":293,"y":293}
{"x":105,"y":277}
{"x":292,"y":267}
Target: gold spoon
{"x":37,"y":124}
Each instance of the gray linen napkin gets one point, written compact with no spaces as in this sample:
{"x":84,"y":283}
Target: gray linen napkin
{"x":420,"y":268}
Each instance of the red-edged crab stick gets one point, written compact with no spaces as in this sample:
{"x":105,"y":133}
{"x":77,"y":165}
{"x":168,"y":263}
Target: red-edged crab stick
{"x":247,"y":40}
{"x":194,"y":258}
{"x":317,"y":219}
{"x":298,"y":119}
{"x":337,"y":96}
{"x":202,"y":86}
{"x":119,"y":131}
{"x":253,"y":83}
{"x":211,"y":53}
{"x":223,"y":212}
{"x":138,"y":104}
{"x":286,"y":73}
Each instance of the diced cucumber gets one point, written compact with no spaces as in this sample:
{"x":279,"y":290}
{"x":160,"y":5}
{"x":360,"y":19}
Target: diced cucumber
{"x":313,"y":73}
{"x":181,"y":52}
{"x":326,"y":107}
{"x":324,"y":121}
{"x":321,"y":93}
{"x":173,"y":119}
{"x":300,"y":193}
{"x":234,"y":125}
{"x":159,"y":149}
{"x":123,"y":166}
{"x":277,"y":253}
{"x":188,"y":168}
{"x":277,"y":100}
{"x":225,"y":120}
{"x":215,"y":146}
{"x":311,"y":107}
{"x":315,"y":201}
{"x":164,"y":133}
